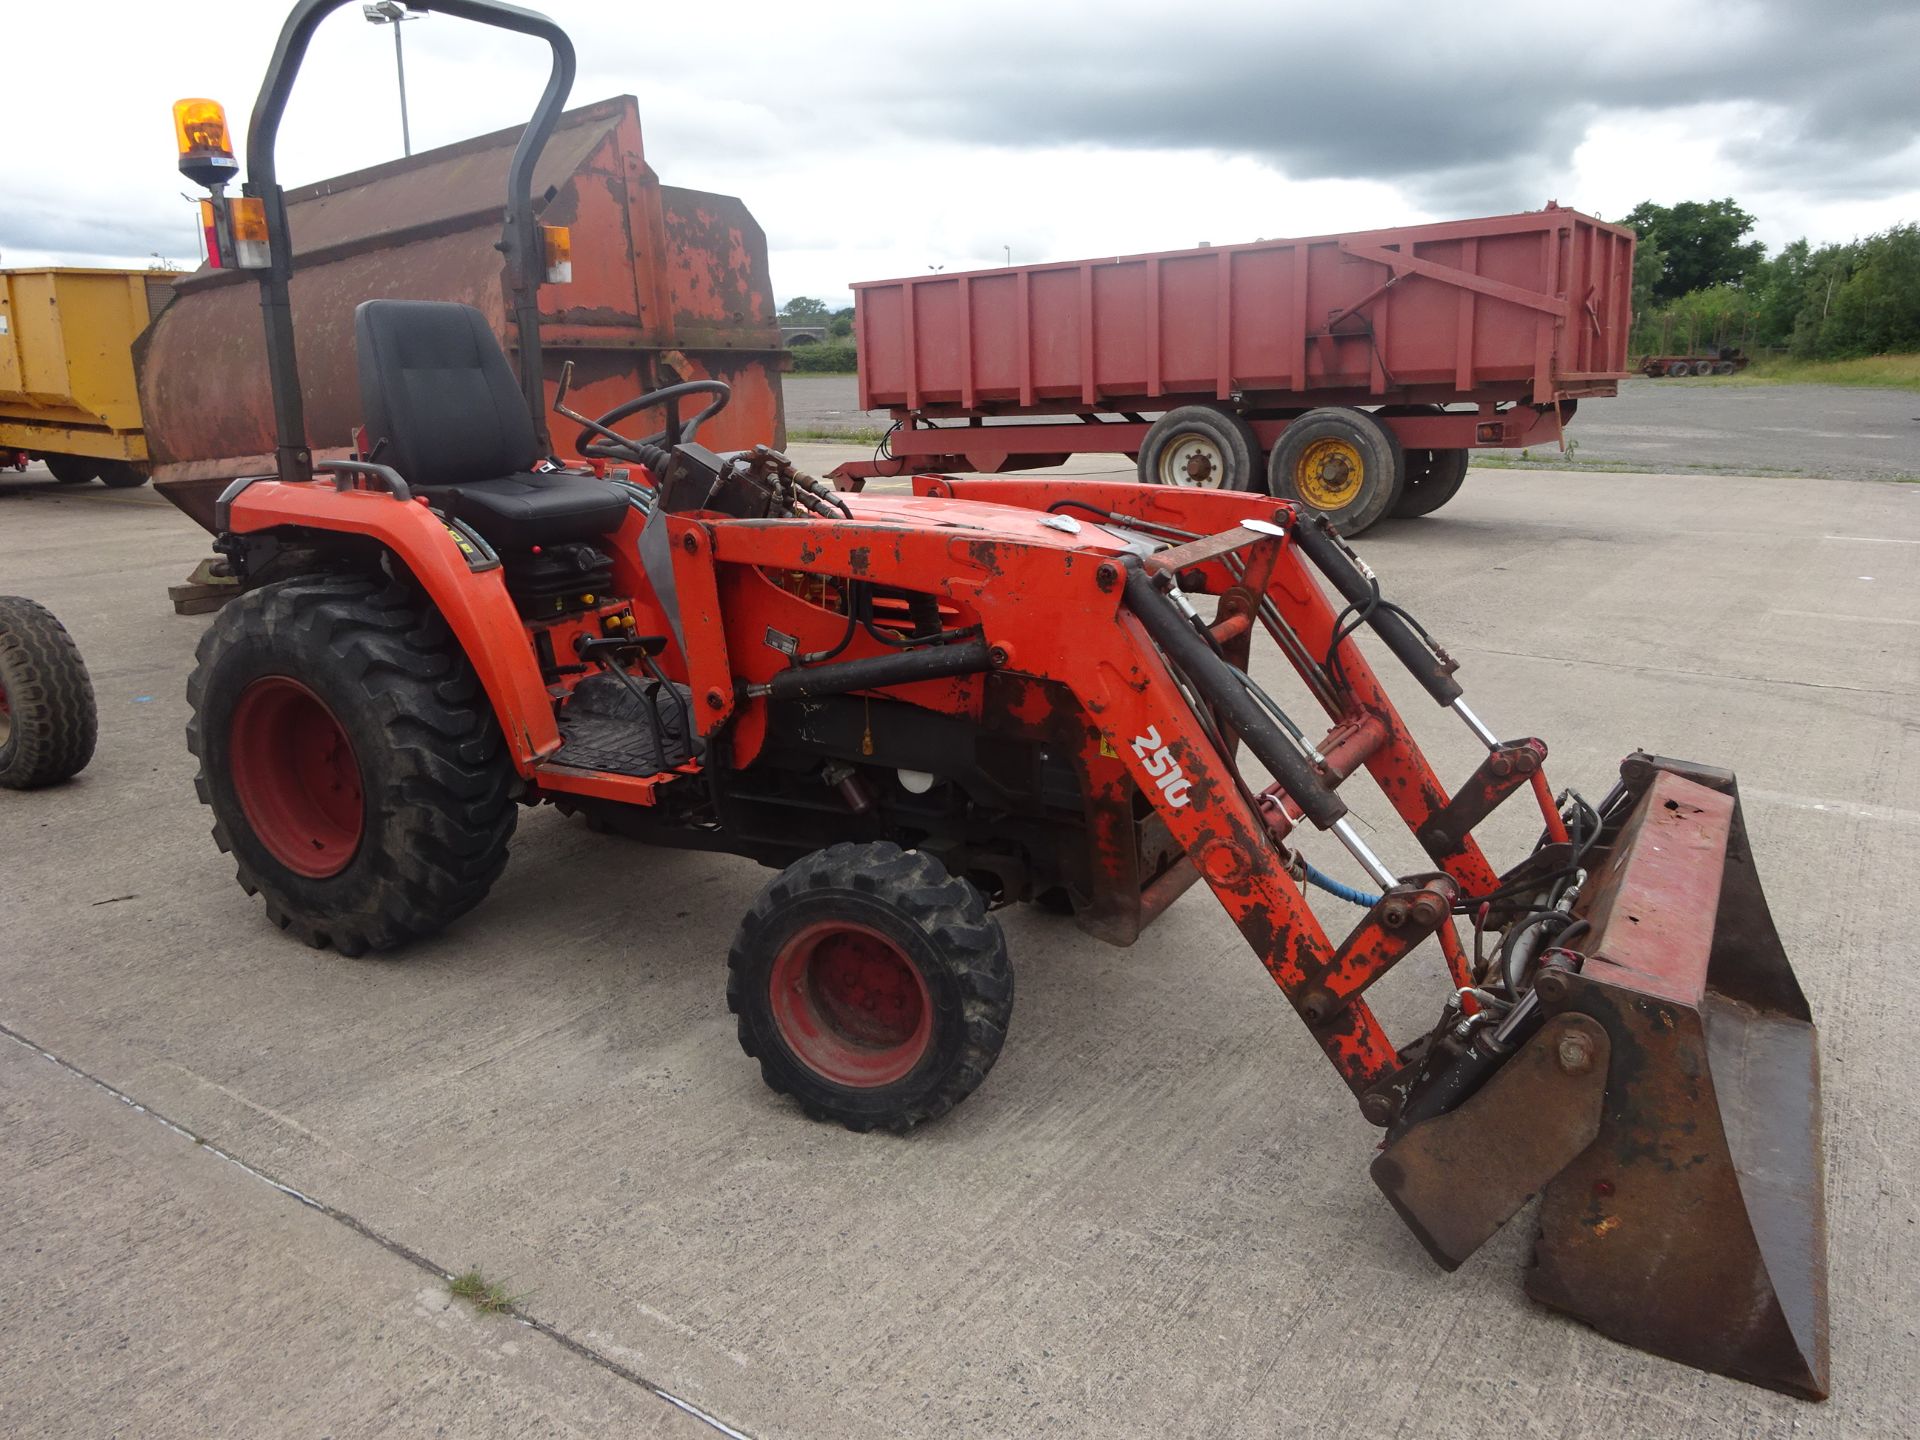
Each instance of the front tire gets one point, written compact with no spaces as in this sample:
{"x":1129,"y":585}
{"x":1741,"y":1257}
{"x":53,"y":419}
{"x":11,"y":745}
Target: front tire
{"x":871,"y":986}
{"x":351,"y":760}
{"x":48,"y":723}
{"x":1199,"y":448}
{"x":1339,"y":463}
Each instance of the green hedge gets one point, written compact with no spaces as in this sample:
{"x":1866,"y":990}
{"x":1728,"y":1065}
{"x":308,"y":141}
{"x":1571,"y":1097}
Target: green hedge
{"x":830,"y":357}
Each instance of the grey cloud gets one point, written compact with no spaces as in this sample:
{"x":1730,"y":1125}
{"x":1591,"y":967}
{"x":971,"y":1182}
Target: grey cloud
{"x":1456,"y":104}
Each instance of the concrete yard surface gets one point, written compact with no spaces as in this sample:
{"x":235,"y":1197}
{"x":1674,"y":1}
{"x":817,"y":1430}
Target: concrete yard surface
{"x":1153,"y":1219}
{"x":1837,"y":432}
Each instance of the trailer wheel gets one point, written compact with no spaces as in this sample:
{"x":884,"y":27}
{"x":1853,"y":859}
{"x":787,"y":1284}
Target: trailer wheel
{"x":1703,"y":367}
{"x":1429,"y":478}
{"x":121,"y":475}
{"x":871,"y":985}
{"x":71,"y":469}
{"x":351,"y":760}
{"x":1724,"y":367}
{"x":1339,"y":463}
{"x":1678,"y":368}
{"x":1200,"y":448}
{"x":48,"y":724}
{"x":1433,"y":478}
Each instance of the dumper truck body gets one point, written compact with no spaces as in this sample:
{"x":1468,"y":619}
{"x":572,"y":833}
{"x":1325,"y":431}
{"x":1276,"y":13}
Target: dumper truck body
{"x":666,"y":284}
{"x":66,"y":368}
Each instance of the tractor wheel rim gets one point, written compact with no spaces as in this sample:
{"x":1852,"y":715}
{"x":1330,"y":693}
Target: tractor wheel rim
{"x":1194,"y":462}
{"x":296,"y":777}
{"x":1330,"y":474}
{"x":850,"y":1005}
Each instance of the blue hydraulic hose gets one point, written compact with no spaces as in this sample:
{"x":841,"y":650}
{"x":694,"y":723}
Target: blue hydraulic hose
{"x":1345,"y":892}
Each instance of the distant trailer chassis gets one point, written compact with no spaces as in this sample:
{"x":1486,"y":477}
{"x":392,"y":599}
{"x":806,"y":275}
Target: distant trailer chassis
{"x":925,"y":444}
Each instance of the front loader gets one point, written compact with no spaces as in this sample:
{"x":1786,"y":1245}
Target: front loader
{"x":923,"y":707}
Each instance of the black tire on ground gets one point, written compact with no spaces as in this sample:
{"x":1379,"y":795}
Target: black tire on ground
{"x":71,"y":469}
{"x":48,"y":724}
{"x":352,"y":761}
{"x":1340,"y":463}
{"x":1724,"y":367}
{"x":871,"y":985}
{"x":1703,"y":367}
{"x":121,"y":475}
{"x":1433,"y":478}
{"x":1201,"y":447}
{"x":1678,"y":368}
{"x":1429,"y":478}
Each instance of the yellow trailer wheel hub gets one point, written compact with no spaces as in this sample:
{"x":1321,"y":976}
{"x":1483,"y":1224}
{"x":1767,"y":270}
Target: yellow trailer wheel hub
{"x":1330,"y":474}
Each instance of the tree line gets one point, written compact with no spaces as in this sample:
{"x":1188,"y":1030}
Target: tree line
{"x":1700,"y":284}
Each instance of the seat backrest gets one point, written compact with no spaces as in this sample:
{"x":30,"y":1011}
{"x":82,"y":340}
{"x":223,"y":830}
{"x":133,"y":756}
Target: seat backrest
{"x":435,"y":386}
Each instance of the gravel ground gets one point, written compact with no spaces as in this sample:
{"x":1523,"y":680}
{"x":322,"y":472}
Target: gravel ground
{"x":1831,"y":431}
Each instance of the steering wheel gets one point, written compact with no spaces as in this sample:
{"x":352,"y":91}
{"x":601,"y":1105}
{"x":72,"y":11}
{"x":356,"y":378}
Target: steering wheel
{"x":601,"y":441}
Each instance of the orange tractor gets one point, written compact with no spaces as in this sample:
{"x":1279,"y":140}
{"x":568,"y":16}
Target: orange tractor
{"x":922,"y":707}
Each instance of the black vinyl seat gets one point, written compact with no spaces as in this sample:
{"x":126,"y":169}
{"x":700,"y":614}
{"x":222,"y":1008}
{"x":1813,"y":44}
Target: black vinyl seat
{"x":435,"y":387}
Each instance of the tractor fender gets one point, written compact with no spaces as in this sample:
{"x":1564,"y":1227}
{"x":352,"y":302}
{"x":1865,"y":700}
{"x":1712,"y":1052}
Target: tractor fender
{"x":467,"y":589}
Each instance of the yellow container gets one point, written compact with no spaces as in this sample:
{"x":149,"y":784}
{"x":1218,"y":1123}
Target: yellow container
{"x":66,"y":360}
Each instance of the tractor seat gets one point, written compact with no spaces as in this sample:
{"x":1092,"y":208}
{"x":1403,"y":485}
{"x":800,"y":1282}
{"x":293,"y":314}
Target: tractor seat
{"x":442,"y":407}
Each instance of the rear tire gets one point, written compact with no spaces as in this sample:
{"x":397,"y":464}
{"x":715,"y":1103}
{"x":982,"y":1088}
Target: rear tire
{"x":1340,"y":463}
{"x":1198,"y":447}
{"x":351,"y":760}
{"x":871,"y":985}
{"x":1677,"y":369}
{"x":1428,"y":478}
{"x":1433,"y":478}
{"x":1703,"y":367}
{"x":121,"y":475}
{"x":71,"y":469}
{"x":48,"y":723}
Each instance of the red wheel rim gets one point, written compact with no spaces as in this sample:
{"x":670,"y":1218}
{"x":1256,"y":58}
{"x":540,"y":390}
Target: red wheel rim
{"x":850,"y":1005}
{"x":296,"y":777}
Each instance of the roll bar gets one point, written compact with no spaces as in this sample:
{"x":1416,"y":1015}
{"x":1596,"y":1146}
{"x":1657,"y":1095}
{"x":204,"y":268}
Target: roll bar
{"x":519,"y":241}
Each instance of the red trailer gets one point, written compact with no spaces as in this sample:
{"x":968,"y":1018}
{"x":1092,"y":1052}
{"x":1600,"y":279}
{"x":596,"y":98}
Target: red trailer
{"x":1350,"y":373}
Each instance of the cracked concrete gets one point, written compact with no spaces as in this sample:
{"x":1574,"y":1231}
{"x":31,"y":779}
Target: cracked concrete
{"x":1154,"y":1218}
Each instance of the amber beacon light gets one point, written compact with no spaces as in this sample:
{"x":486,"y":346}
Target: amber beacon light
{"x":206,"y":147}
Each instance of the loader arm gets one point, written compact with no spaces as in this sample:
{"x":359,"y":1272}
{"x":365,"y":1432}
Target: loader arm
{"x":1636,"y":957}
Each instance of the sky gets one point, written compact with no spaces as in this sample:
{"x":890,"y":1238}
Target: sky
{"x":873,"y":140}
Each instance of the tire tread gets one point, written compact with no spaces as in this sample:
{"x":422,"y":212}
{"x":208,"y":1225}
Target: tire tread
{"x":55,"y":721}
{"x":946,"y":909}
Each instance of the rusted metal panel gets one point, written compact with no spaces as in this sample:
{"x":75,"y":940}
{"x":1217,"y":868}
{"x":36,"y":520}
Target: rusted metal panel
{"x":1369,"y":317}
{"x":668,"y":284}
{"x":1695,"y":1225}
{"x":1457,"y":1178}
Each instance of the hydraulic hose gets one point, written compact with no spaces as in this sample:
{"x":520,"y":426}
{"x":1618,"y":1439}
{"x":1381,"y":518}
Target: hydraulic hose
{"x":1364,"y":899}
{"x":1221,"y":684}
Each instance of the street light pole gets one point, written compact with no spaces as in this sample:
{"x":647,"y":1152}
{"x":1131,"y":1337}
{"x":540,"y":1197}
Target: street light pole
{"x":400,"y":69}
{"x":392,"y":12}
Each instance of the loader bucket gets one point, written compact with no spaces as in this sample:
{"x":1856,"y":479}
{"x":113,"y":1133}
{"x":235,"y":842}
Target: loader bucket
{"x":1682,"y":1205}
{"x":1695,"y":1226}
